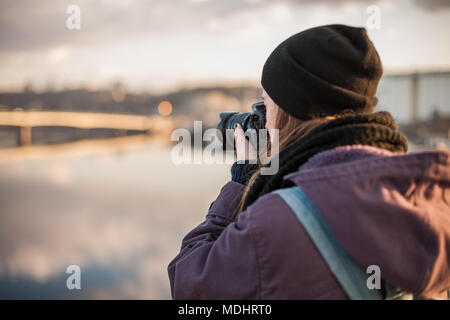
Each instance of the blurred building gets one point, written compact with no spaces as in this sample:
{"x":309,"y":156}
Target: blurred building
{"x":415,"y":97}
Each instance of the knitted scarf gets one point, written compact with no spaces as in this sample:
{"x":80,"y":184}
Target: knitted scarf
{"x":376,"y":129}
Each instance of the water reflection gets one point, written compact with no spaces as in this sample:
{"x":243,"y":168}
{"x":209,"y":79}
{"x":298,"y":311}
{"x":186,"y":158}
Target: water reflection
{"x":119,"y":217}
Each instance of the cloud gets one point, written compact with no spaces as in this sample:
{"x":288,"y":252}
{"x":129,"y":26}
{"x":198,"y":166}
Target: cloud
{"x":433,"y":4}
{"x":164,"y":44}
{"x":29,"y":25}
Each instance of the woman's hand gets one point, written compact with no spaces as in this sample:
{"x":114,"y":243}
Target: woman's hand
{"x":244,"y":150}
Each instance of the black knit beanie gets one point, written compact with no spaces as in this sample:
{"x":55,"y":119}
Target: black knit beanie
{"x":324,"y":71}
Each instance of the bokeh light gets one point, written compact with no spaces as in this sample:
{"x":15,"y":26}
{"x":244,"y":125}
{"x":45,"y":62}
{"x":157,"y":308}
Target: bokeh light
{"x":165,"y":108}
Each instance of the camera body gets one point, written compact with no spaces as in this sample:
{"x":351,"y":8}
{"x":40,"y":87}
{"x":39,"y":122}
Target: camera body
{"x":248,"y":120}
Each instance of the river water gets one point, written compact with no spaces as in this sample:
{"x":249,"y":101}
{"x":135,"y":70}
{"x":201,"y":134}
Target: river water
{"x":119,"y":216}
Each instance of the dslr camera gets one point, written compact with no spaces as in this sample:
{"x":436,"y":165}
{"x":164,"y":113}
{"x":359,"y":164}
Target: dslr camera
{"x":254,"y":120}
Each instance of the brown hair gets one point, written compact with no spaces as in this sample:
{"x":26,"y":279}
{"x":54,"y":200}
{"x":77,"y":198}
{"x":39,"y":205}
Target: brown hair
{"x":290,"y":129}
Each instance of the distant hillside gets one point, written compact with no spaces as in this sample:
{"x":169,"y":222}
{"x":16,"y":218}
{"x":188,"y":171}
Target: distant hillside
{"x":117,"y":100}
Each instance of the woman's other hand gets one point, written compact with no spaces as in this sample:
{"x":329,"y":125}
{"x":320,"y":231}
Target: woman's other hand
{"x":244,"y":150}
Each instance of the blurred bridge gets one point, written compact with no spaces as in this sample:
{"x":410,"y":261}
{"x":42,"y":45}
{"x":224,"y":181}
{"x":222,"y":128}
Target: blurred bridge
{"x":84,"y":120}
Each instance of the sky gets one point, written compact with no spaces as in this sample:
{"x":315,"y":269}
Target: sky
{"x":161,"y":45}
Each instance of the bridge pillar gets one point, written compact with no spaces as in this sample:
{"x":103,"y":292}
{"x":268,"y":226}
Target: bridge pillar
{"x":25,"y":136}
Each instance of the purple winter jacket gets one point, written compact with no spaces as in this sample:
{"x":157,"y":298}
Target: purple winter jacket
{"x":385,"y":209}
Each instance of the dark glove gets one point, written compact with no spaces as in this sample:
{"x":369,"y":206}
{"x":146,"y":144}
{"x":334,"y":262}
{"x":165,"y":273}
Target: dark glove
{"x":242,"y":172}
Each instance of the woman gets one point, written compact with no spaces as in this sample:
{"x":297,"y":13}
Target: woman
{"x":384,"y":209}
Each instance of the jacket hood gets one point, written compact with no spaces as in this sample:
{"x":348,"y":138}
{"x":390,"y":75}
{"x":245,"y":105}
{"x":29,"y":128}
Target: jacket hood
{"x":386,"y":209}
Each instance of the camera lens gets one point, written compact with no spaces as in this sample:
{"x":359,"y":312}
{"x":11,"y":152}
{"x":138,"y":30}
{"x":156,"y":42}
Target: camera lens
{"x":248,"y":120}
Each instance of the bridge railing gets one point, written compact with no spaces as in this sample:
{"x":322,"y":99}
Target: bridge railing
{"x":83,"y":120}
